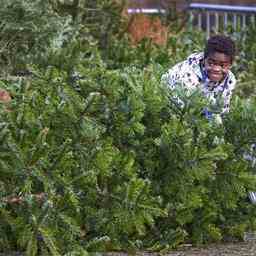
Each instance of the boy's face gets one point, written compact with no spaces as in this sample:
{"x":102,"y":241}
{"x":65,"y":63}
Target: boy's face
{"x":217,"y":66}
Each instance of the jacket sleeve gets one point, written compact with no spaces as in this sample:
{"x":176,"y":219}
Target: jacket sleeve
{"x":228,"y":93}
{"x":172,"y":76}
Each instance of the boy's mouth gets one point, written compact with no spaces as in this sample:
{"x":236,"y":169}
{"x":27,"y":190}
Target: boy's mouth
{"x":215,"y":76}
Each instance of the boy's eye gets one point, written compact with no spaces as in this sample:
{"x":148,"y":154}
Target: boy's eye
{"x":216,"y":63}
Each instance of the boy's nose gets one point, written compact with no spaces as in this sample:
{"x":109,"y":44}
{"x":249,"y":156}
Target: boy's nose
{"x":216,"y":68}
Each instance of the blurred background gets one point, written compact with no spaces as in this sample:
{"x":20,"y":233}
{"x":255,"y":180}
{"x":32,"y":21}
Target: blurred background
{"x":209,"y":16}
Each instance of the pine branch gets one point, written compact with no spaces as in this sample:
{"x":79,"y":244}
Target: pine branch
{"x":39,"y":197}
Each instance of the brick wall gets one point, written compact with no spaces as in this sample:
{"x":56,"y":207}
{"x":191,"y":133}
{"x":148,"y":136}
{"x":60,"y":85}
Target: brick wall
{"x":143,"y":26}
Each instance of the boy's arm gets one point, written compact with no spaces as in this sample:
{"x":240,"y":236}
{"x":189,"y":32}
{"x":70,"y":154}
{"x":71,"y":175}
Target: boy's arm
{"x":228,"y":94}
{"x":172,"y":76}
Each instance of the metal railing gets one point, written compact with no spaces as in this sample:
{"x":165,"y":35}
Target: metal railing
{"x":146,"y":10}
{"x":217,"y":18}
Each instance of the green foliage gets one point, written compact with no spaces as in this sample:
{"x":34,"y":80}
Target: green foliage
{"x":245,"y":64}
{"x":28,"y":30}
{"x":96,"y":154}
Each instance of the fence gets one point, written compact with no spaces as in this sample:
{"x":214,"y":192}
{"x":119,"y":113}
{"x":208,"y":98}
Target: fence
{"x":215,"y":17}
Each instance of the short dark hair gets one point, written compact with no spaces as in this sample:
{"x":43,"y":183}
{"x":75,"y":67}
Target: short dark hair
{"x":222,"y":44}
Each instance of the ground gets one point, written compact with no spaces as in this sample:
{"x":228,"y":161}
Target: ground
{"x":229,"y":249}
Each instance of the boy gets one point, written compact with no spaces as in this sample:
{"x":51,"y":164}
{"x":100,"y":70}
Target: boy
{"x":209,"y":71}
